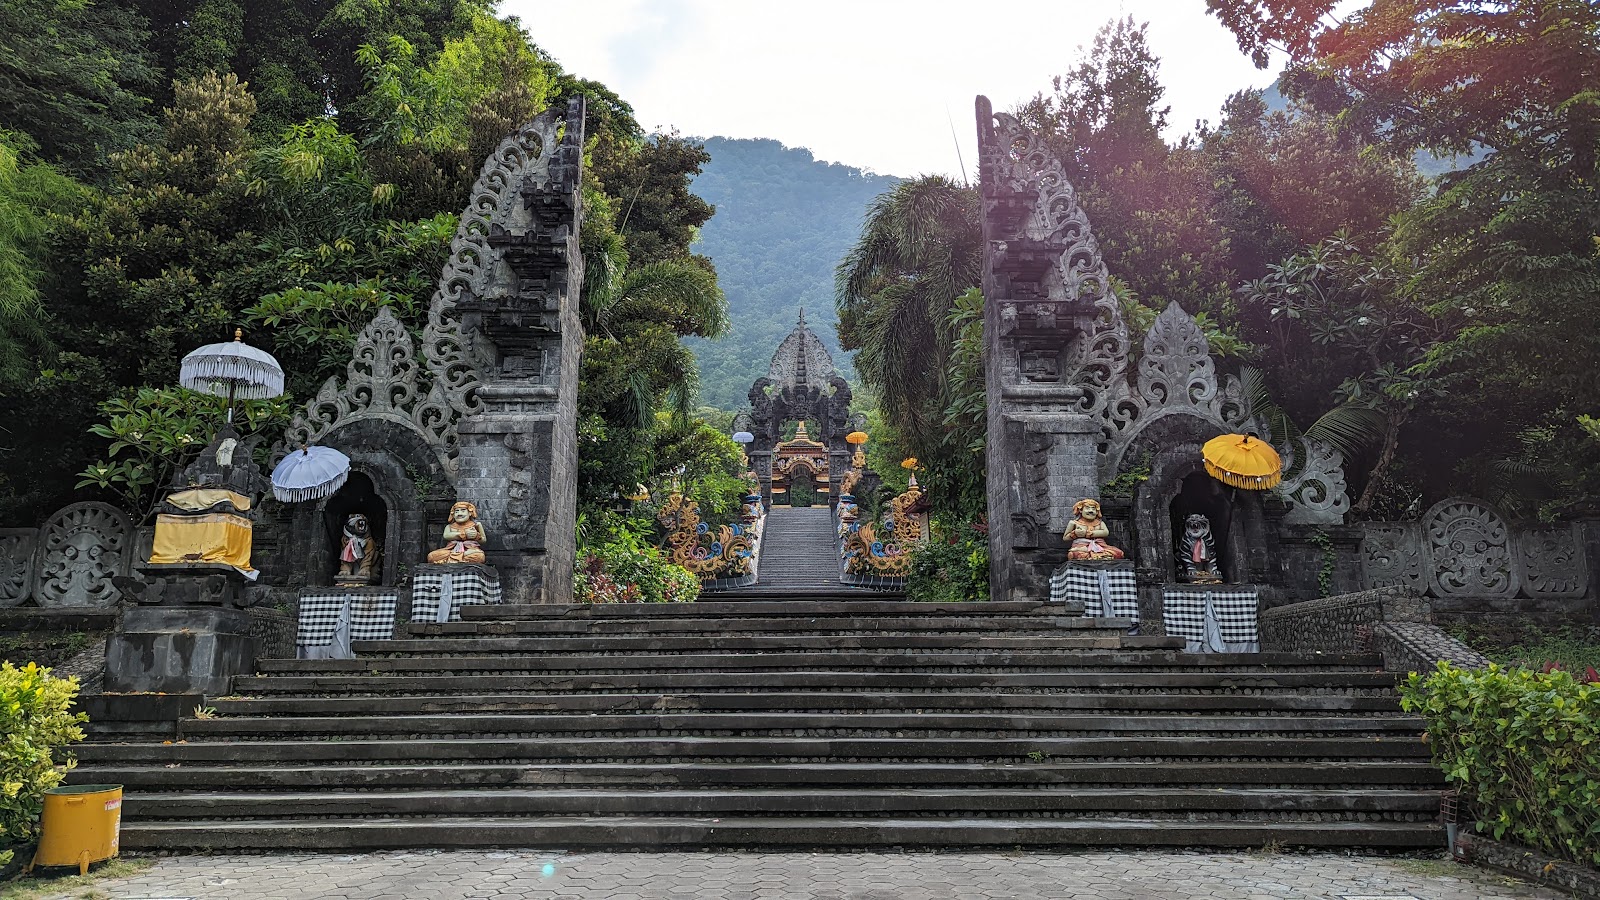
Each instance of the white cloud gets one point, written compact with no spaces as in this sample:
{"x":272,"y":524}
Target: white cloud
{"x":871,"y":83}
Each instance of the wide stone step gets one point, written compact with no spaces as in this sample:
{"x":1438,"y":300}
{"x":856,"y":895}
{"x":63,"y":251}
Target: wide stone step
{"x":727,"y":605}
{"x":1084,"y":639}
{"x":843,"y":702}
{"x":777,"y":725}
{"x":976,"y":802}
{"x":1021,"y":749}
{"x":1094,"y":681}
{"x":1217,"y":776}
{"x":632,"y":833}
{"x":879,"y":662}
{"x":762,"y":625}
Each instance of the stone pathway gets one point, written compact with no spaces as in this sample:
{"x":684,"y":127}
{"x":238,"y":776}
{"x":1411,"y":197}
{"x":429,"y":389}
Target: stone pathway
{"x":822,"y":876}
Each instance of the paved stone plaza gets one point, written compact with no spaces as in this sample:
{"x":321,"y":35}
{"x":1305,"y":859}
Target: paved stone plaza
{"x":803,"y":876}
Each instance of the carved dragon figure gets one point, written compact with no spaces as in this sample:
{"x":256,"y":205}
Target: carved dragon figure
{"x":690,"y":543}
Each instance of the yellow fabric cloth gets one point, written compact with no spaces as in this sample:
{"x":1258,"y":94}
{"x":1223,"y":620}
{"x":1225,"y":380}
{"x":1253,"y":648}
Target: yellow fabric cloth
{"x":205,"y":498}
{"x":213,"y":537}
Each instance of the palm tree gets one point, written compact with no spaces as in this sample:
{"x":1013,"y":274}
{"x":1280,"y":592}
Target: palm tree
{"x":921,"y":248}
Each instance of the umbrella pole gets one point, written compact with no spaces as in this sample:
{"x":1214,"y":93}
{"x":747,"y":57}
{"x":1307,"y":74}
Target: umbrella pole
{"x":231,"y":386}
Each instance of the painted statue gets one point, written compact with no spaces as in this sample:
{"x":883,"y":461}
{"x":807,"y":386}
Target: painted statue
{"x":463,"y":537}
{"x":1086,"y":534}
{"x":1197,"y":552}
{"x":358,"y":553}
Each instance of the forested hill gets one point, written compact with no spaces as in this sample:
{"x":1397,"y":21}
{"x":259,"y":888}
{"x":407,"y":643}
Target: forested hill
{"x":783,"y":221}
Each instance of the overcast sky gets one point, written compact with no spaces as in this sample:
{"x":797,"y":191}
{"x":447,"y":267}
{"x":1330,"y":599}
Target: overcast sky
{"x":871,"y":83}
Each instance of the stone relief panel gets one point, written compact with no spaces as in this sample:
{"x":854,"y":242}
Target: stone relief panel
{"x":1391,"y":555}
{"x":81,"y":548}
{"x":1316,"y":490}
{"x":1553,"y":561}
{"x":17,"y":547}
{"x":1470,"y":550}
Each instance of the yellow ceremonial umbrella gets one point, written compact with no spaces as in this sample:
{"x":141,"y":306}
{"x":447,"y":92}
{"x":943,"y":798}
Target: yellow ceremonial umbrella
{"x":1243,"y":461}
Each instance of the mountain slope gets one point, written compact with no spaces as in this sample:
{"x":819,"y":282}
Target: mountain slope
{"x":783,"y":222}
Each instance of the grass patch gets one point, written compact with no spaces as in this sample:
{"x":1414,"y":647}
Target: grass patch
{"x":81,"y":887}
{"x":1521,"y":647}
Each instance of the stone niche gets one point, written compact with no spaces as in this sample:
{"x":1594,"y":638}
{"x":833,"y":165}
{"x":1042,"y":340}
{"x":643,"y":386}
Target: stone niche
{"x":396,"y":481}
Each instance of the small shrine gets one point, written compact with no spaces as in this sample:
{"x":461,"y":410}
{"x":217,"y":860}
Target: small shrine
{"x":800,"y":471}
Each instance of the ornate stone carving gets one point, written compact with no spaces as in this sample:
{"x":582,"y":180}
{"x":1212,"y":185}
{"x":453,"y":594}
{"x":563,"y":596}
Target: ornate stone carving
{"x":1391,"y":555}
{"x":727,"y":553}
{"x":1175,"y":374}
{"x":82,"y":548}
{"x":1315,"y":490}
{"x":381,"y":382}
{"x":16,"y":565}
{"x":1470,"y":549}
{"x":1553,"y":561}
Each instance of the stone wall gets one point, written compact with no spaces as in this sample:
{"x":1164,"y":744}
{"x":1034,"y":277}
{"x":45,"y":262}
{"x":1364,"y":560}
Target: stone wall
{"x":1392,"y":621}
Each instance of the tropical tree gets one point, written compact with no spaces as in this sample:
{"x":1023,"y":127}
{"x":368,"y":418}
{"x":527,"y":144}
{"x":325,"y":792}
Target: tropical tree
{"x":907,"y":299}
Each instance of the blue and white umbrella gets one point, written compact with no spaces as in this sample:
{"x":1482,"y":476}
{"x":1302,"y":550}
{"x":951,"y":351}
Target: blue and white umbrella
{"x":310,"y":473}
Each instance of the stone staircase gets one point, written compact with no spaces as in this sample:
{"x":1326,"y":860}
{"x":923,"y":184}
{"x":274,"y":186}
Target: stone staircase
{"x":841,"y":724}
{"x":800,"y":553}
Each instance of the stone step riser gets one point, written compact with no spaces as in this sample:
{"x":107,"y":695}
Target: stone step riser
{"x":794,"y":834}
{"x":1213,"y":777}
{"x":786,"y":725}
{"x":796,"y":628}
{"x":872,"y":664}
{"x":766,"y":607}
{"x":844,"y":703}
{"x":909,"y":645}
{"x":1063,"y":803}
{"x":733,"y":749}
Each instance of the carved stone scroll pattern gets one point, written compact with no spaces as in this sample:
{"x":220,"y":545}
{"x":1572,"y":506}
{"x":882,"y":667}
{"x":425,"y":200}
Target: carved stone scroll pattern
{"x":452,"y":357}
{"x":1553,"y":563}
{"x":1316,"y":490}
{"x":1098,"y":361}
{"x":1470,"y":548}
{"x":16,"y":565}
{"x":1175,"y":372}
{"x":1391,"y":555}
{"x":81,"y":549}
{"x":381,"y":382}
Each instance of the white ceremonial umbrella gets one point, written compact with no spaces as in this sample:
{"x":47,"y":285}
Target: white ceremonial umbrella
{"x":232,"y":369}
{"x":310,"y":473}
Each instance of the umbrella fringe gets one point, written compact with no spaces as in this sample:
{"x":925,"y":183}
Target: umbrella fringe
{"x":1248,"y":482}
{"x":253,"y":379}
{"x":315,"y":492}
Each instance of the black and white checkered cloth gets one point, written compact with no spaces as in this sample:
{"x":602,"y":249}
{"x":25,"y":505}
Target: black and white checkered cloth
{"x":371,"y":615}
{"x":1183,"y":611}
{"x":438,"y":593}
{"x":1103,"y":591}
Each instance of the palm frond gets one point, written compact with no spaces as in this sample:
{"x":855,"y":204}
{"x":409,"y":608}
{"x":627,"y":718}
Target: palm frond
{"x":1351,"y":429}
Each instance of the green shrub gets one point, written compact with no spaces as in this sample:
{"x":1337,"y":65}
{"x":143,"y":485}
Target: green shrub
{"x":953,"y":567}
{"x":617,"y":564}
{"x":35,"y":723}
{"x":1524,"y":746}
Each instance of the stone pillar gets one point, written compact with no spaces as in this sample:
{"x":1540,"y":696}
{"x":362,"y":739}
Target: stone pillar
{"x":182,"y":633}
{"x":1041,"y":447}
{"x":518,"y":457}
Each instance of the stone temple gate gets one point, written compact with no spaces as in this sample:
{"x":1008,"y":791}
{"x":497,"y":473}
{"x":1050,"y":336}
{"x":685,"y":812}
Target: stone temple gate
{"x":801,"y":384}
{"x":486,"y":409}
{"x":1073,"y":404}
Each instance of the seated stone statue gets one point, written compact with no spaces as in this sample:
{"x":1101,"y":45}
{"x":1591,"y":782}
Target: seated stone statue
{"x":1197,"y":552}
{"x":1087,"y":534}
{"x":463,"y":537}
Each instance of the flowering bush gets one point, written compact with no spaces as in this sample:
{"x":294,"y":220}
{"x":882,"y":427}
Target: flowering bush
{"x":622,"y":567}
{"x":34,"y":723}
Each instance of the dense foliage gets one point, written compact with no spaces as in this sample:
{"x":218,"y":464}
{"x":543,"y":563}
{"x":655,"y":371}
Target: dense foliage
{"x":36,"y":724}
{"x":951,"y":567}
{"x":617,"y":563}
{"x":1521,"y":746}
{"x":783,"y":221}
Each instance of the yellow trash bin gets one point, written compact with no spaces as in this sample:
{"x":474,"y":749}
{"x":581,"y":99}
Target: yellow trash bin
{"x":81,"y":825}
